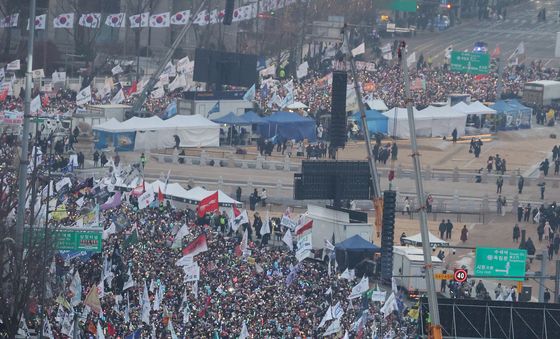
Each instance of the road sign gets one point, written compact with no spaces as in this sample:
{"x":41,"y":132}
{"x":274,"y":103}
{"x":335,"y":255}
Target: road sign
{"x":460,"y":275}
{"x":443,"y":276}
{"x":67,"y":239}
{"x":404,"y":5}
{"x":468,"y":62}
{"x":501,"y":263}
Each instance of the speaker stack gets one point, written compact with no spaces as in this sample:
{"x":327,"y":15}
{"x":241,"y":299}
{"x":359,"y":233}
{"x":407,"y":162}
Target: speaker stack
{"x":337,"y":128}
{"x":228,"y":12}
{"x":387,"y":236}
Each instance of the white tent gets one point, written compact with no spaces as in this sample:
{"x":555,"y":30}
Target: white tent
{"x":416,"y":240}
{"x":193,"y":131}
{"x":444,"y":120}
{"x":476,"y":108}
{"x":155,"y":133}
{"x":377,"y":104}
{"x":398,"y":123}
{"x":196,"y":194}
{"x":108,"y":126}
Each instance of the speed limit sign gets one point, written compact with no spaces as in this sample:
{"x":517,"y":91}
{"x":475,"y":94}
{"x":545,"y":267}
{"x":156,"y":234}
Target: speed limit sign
{"x":460,"y":275}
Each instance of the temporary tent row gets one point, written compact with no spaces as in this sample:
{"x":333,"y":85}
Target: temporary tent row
{"x":176,"y":192}
{"x":153,"y":133}
{"x":430,"y":122}
{"x":474,"y":108}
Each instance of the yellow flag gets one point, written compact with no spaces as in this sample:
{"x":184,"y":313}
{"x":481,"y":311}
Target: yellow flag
{"x":60,"y":300}
{"x":60,"y":213}
{"x":92,"y":300}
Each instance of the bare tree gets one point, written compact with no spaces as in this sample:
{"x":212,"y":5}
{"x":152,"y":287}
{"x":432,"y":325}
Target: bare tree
{"x":22,"y":266}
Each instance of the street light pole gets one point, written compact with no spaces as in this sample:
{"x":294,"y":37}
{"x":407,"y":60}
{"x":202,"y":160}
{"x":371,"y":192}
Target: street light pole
{"x":24,"y":159}
{"x":430,"y":282}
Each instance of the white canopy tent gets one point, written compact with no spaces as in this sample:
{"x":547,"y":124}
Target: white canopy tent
{"x":416,"y":240}
{"x":476,"y":108}
{"x":398,"y":123}
{"x":155,"y":133}
{"x":297,"y":105}
{"x":444,"y":120}
{"x":196,"y":194}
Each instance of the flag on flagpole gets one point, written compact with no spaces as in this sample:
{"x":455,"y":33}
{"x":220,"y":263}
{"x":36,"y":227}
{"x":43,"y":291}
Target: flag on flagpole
{"x":146,"y":306}
{"x":84,"y":96}
{"x":411,"y":60}
{"x":40,"y":22}
{"x":139,"y":20}
{"x":159,"y":20}
{"x":304,"y":228}
{"x":76,"y":289}
{"x":180,"y":18}
{"x":13,"y":66}
{"x":208,"y":204}
{"x":90,"y":20}
{"x":244,"y":332}
{"x":178,"y":240}
{"x":65,"y":20}
{"x":215,"y":108}
{"x":239,"y":219}
{"x":130,"y":282}
{"x":35,"y":104}
{"x":92,"y":299}
{"x":47,"y":330}
{"x":250,"y":94}
{"x":197,"y":246}
{"x":361,"y":49}
{"x":265,"y":229}
{"x":288,"y":240}
{"x":115,"y":20}
{"x":118,"y":98}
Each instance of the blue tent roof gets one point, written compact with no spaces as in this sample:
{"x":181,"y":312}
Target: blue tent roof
{"x":503,"y":107}
{"x":519,"y":106}
{"x":253,"y":118}
{"x":376,"y":121}
{"x":357,"y":244}
{"x":286,"y":117}
{"x":231,"y":119}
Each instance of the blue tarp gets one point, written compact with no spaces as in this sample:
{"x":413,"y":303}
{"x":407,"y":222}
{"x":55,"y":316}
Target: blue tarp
{"x":357,"y":244}
{"x":121,"y":141}
{"x":377,"y":122}
{"x":288,"y":126}
{"x":253,"y":118}
{"x":231,"y":119}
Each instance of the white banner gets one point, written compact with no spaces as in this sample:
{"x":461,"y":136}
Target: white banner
{"x":192,"y":273}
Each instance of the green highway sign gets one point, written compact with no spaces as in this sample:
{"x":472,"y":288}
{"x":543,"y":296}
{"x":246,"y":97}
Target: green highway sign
{"x":70,"y":239}
{"x":500,"y":263}
{"x":468,"y":62}
{"x":404,"y":5}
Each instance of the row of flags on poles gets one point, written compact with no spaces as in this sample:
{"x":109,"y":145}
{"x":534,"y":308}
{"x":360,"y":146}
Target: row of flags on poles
{"x":147,"y":19}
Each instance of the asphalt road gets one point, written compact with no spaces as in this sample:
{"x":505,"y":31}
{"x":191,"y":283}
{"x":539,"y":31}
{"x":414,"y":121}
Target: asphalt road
{"x":520,"y":25}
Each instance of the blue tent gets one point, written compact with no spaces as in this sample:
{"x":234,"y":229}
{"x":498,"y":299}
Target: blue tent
{"x":288,"y":126}
{"x":353,"y":251}
{"x":231,"y":119}
{"x":253,"y":118}
{"x":512,"y":115}
{"x":377,"y":122}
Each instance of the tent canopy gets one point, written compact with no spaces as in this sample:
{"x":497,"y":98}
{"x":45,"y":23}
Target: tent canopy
{"x":107,"y":126}
{"x":196,"y":194}
{"x":501,"y":107}
{"x":519,"y":106}
{"x":356,"y":244}
{"x":377,"y":104}
{"x":476,"y":108}
{"x":444,"y":120}
{"x":253,"y":118}
{"x":288,"y":126}
{"x":231,"y":119}
{"x":376,"y":121}
{"x":416,"y":240}
{"x":400,"y":128}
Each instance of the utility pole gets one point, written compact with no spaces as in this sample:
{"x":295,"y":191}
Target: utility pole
{"x":544,"y":263}
{"x":371,"y":161}
{"x":23,"y":158}
{"x":154,"y":78}
{"x":500,"y":83}
{"x":435,"y":327}
{"x":557,"y":282}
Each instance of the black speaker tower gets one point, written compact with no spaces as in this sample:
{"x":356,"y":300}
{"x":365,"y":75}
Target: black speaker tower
{"x":228,"y":12}
{"x":387,"y":236}
{"x":337,"y":128}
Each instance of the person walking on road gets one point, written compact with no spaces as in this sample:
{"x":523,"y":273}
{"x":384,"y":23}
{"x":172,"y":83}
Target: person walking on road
{"x":520,"y":183}
{"x":464,"y":233}
{"x":442,"y":229}
{"x":499,"y":184}
{"x":516,"y":233}
{"x":143,"y":160}
{"x":448,"y":229}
